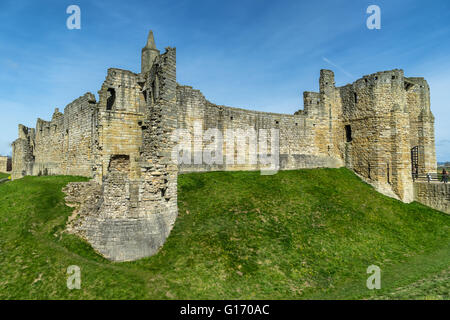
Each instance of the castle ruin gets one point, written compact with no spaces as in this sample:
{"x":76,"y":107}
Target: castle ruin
{"x":123,"y":142}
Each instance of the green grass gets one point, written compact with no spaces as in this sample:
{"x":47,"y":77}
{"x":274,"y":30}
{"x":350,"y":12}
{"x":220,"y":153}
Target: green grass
{"x":239,"y":235}
{"x":435,"y":287}
{"x":4,"y":175}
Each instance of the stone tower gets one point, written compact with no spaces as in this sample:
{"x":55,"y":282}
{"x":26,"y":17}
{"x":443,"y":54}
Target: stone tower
{"x":149,"y":53}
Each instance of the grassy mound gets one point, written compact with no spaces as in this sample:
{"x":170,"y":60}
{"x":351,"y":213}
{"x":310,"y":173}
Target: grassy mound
{"x":239,"y":235}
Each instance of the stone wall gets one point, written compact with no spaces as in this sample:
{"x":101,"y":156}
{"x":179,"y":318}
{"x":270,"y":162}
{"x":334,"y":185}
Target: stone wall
{"x":60,"y":146}
{"x":421,"y":123}
{"x":5,"y":164}
{"x":380,"y":111}
{"x":22,"y":150}
{"x":297,"y":134}
{"x":120,"y":116}
{"x":435,"y":195}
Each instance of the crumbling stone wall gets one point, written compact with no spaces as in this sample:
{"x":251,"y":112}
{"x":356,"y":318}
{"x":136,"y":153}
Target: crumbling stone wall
{"x":125,"y":142}
{"x":60,"y":146}
{"x":120,"y":115}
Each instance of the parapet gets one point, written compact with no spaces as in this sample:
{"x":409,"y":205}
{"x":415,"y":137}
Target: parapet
{"x":326,"y":81}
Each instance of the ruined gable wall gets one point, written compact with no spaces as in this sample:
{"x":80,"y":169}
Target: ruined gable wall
{"x":120,"y":115}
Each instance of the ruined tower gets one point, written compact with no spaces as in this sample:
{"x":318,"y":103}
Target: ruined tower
{"x":149,"y":54}
{"x":138,"y":203}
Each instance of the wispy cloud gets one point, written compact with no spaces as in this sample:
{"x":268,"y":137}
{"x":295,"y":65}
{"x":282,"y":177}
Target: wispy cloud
{"x":348,"y":74}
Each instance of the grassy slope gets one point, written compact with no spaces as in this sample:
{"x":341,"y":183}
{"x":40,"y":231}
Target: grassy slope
{"x":4,"y":175}
{"x":298,"y":234}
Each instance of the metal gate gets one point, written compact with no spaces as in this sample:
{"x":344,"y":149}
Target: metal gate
{"x":415,"y":162}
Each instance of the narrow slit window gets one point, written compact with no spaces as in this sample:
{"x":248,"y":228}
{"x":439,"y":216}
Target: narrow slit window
{"x":388,"y":174}
{"x":144,"y":94}
{"x":348,"y":133}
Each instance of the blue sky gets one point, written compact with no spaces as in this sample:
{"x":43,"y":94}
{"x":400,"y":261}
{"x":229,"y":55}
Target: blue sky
{"x":253,"y":54}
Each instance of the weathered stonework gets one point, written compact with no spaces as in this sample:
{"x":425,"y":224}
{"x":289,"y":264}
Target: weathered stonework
{"x":435,"y":195}
{"x":124,"y":142}
{"x":5,"y":164}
